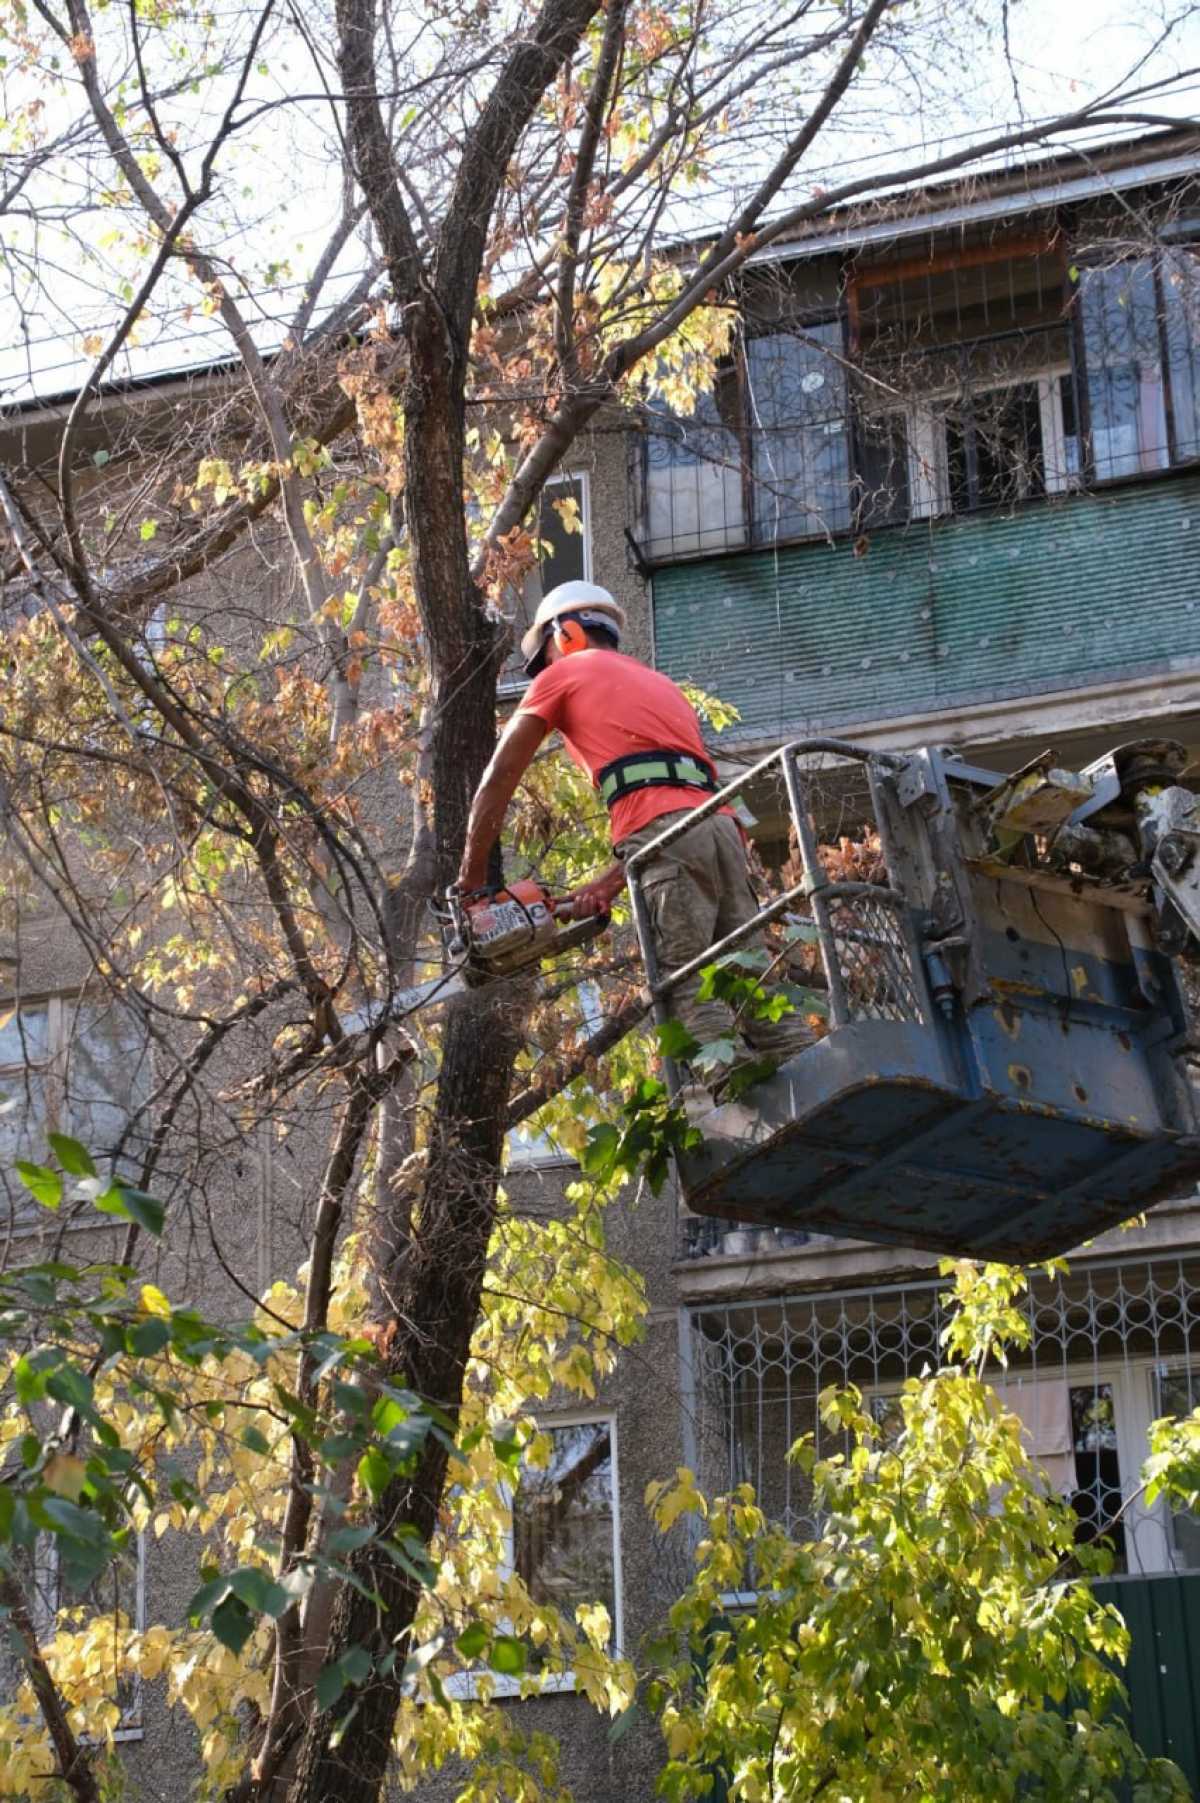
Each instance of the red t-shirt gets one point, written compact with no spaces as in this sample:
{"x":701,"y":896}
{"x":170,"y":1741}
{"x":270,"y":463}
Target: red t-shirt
{"x":606,"y":706}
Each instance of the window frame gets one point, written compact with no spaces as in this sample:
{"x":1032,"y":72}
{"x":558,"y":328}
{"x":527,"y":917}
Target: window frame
{"x":45,"y":1625}
{"x":62,"y":1007}
{"x":510,"y":686}
{"x":927,"y":471}
{"x":464,"y":1686}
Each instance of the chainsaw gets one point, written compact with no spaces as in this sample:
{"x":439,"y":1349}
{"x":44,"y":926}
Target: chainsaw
{"x":492,"y":933}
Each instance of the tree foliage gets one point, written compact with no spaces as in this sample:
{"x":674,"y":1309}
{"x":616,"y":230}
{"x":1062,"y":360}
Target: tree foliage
{"x":253,"y":624}
{"x":929,"y":1642}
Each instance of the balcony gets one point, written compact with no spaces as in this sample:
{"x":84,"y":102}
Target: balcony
{"x":978,"y":481}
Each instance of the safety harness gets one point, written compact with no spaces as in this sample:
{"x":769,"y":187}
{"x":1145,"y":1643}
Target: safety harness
{"x":653,"y":770}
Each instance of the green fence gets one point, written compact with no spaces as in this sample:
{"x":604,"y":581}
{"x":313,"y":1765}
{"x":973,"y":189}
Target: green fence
{"x":1163,"y":1673}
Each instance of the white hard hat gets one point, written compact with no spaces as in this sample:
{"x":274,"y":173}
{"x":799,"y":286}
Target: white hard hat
{"x":570,"y":598}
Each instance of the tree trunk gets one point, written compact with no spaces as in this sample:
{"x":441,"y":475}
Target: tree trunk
{"x":436,"y":1276}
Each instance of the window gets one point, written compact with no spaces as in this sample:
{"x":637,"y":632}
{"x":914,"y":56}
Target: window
{"x":565,"y":1521}
{"x":1070,"y":1431}
{"x":1141,"y":344}
{"x":563,"y":530}
{"x":527,"y":1147}
{"x":799,"y":433}
{"x":1178,"y":1393}
{"x":976,"y":377}
{"x":988,"y":447}
{"x":565,"y":1542}
{"x":694,"y":477}
{"x":1096,"y":1495}
{"x":119,"y":1593}
{"x":67,"y":1065}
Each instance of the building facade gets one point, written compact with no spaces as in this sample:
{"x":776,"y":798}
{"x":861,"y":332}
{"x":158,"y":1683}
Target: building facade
{"x":946,"y":490}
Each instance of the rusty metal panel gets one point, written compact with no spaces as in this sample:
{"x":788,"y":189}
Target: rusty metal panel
{"x":941,"y":613}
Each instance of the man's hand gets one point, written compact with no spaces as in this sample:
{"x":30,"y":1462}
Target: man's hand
{"x":598,"y":896}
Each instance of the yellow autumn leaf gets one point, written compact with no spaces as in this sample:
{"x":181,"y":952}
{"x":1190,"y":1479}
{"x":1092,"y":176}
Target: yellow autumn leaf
{"x":667,"y":1502}
{"x":65,"y":1474}
{"x":154,"y":1302}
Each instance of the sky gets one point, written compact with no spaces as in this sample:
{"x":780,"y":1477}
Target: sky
{"x":1059,"y":53}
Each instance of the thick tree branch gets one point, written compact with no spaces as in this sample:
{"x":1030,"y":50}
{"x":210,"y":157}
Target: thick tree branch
{"x":532,"y":65}
{"x":74,"y":1763}
{"x":577,"y":195}
{"x":564,"y":1070}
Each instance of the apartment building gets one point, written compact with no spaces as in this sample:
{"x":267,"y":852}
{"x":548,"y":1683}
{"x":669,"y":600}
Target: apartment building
{"x":946,"y":490}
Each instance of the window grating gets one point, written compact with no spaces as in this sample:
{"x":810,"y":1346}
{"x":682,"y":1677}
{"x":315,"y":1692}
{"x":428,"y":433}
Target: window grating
{"x":1114,"y":1346}
{"x":973,"y":379}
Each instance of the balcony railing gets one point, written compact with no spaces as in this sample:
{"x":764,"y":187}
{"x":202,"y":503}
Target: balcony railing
{"x":977,"y":387}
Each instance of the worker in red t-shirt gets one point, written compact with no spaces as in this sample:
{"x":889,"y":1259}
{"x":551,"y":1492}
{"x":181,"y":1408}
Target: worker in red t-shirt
{"x":638,"y":738}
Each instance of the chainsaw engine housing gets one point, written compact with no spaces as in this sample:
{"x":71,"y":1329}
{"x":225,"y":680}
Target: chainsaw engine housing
{"x":508,"y":930}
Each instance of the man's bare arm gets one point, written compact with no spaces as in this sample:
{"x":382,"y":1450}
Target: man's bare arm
{"x":497,"y":786}
{"x":598,"y":896}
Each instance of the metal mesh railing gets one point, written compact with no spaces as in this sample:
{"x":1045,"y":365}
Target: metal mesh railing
{"x":1114,"y":1346}
{"x":873,"y":956}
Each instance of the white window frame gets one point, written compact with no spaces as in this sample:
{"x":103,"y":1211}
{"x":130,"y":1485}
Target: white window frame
{"x":1162,"y":1511}
{"x":516,"y":685}
{"x":465,"y":1686}
{"x":925,"y":434}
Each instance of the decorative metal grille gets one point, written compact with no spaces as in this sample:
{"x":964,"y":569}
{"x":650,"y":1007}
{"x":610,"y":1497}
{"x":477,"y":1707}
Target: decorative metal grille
{"x":1115,"y":1345}
{"x":874,"y":959}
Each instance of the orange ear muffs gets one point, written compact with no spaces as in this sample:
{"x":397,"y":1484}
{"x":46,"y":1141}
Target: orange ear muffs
{"x":570,"y":636}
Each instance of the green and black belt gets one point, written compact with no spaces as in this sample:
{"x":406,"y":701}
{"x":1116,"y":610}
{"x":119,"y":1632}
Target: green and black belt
{"x":653,"y":770}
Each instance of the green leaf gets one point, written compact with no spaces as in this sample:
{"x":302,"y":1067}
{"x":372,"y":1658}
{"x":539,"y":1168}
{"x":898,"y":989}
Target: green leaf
{"x":472,"y":1641}
{"x":31,"y":1371}
{"x":259,"y":1591}
{"x":623,"y":1723}
{"x":374,"y":1472}
{"x":74,"y":1387}
{"x":202,"y":1600}
{"x":100,"y":458}
{"x":232,"y":1623}
{"x":74,"y":1523}
{"x":508,"y":1655}
{"x":356,"y":1663}
{"x":254,"y":1440}
{"x":133,"y":1205}
{"x":674,"y":1039}
{"x":506,"y":1446}
{"x":75,"y":1159}
{"x":600,"y":1152}
{"x":43,"y":1184}
{"x":148,"y":1337}
{"x":348,"y":1540}
{"x":330,"y":1685}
